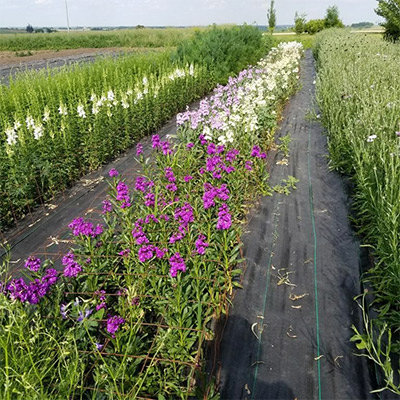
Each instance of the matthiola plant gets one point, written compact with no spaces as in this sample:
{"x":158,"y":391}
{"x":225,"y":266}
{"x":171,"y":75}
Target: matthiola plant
{"x":236,"y":110}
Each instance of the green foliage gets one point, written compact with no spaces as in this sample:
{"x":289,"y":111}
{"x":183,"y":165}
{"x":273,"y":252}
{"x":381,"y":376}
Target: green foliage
{"x":33,"y":171}
{"x":97,"y":39}
{"x":332,"y":18}
{"x":271,"y":17}
{"x":357,"y":90}
{"x":305,"y":39}
{"x":225,"y":51}
{"x":299,"y":23}
{"x":314,"y":26}
{"x":390,"y":10}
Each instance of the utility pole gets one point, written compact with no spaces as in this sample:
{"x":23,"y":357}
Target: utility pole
{"x":66,"y":10}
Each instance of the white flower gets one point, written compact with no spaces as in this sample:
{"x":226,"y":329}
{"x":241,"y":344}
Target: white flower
{"x":81,"y":111}
{"x":95,"y":109}
{"x":129,"y":92}
{"x":11,"y":136}
{"x":93,"y":97}
{"x":30,"y":123}
{"x":191,"y":70}
{"x":17,"y":125}
{"x":139,"y":95}
{"x":46,"y":115}
{"x":124,"y":103}
{"x":145,"y":81}
{"x":110,"y":95}
{"x":62,"y":110}
{"x":38,"y":132}
{"x":371,"y":138}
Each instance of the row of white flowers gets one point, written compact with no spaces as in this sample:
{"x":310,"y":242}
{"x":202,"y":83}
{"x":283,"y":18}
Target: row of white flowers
{"x":94,"y":104}
{"x":236,"y":106}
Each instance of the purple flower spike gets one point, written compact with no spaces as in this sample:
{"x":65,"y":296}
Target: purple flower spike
{"x":139,"y":149}
{"x":33,"y":264}
{"x":113,"y":323}
{"x":177,"y":263}
{"x":224,"y":218}
{"x":113,"y":172}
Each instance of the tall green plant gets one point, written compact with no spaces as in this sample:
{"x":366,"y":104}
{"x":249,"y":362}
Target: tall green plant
{"x":390,"y":10}
{"x":271,"y":17}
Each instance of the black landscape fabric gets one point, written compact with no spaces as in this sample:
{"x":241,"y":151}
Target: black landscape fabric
{"x":288,"y":332}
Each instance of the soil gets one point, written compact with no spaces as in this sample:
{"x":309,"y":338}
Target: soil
{"x":11,"y":64}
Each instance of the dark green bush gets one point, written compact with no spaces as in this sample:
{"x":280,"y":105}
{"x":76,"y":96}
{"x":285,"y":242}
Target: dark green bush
{"x":225,"y":51}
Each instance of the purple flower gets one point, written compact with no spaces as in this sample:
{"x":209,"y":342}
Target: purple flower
{"x":155,"y":141}
{"x":150,"y":217}
{"x":224,"y":218}
{"x":139,"y":235}
{"x":189,"y":145}
{"x":33,"y":263}
{"x":211,"y":149}
{"x":256,"y":152}
{"x":249,"y":165}
{"x":99,"y":346}
{"x":124,"y":253}
{"x":220,"y":149}
{"x":142,"y":184}
{"x":176,"y":263}
{"x":63,"y":311}
{"x":107,"y":207}
{"x":35,"y":290}
{"x":166,"y":148}
{"x":188,"y":178}
{"x":71,"y":267}
{"x":171,"y":187}
{"x":231,"y":155}
{"x":139,"y":149}
{"x":160,"y":253}
{"x":201,"y":245}
{"x":84,"y":315}
{"x":146,"y":253}
{"x":113,"y":323}
{"x":123,"y":194}
{"x":398,"y":133}
{"x":150,"y":200}
{"x":113,"y":172}
{"x":135,"y":301}
{"x":203,"y":140}
{"x":81,"y":227}
{"x":169,"y":174}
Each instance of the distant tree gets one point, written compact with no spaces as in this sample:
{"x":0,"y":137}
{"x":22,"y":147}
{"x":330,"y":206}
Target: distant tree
{"x":29,"y":28}
{"x":332,"y":18}
{"x":314,"y":26}
{"x":390,"y":10}
{"x":299,"y":23}
{"x":271,"y":17}
{"x":362,"y":25}
{"x":139,"y":27}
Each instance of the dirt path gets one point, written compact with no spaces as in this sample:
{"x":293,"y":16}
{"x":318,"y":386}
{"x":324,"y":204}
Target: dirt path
{"x":290,"y":325}
{"x":11,"y":64}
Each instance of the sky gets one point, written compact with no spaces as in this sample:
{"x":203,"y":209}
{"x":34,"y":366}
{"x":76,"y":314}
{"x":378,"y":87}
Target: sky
{"x":52,"y":13}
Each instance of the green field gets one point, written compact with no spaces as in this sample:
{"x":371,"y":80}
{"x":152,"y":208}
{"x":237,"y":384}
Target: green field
{"x":147,"y":37}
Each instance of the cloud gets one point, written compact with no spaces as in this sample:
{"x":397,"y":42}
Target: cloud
{"x":43,"y":2}
{"x":215,"y":4}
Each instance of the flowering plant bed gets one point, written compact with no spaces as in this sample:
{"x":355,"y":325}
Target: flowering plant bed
{"x":127,"y":315}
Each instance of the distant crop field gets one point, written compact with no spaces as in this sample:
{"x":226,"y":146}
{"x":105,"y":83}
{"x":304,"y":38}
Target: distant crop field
{"x":305,"y":39}
{"x":147,"y":37}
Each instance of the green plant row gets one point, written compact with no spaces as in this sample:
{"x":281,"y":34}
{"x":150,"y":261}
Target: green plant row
{"x":127,"y":312}
{"x":357,"y":89}
{"x":58,"y":126}
{"x":96,"y":39}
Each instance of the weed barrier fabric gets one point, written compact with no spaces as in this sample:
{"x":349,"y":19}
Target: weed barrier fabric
{"x":288,"y":332}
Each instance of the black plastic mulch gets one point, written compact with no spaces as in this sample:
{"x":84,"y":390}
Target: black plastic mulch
{"x":288,"y":332}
